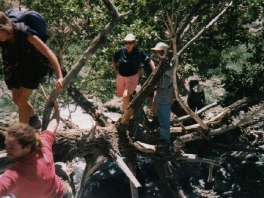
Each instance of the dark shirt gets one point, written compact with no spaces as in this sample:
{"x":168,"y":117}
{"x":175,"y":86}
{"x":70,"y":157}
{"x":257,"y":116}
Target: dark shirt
{"x":23,"y":58}
{"x":129,"y":63}
{"x":147,"y":69}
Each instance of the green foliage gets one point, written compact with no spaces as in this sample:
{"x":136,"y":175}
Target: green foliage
{"x":187,"y":70}
{"x":242,"y":55}
{"x":6,"y":103}
{"x":211,"y":95}
{"x":226,"y":49}
{"x":241,"y":76}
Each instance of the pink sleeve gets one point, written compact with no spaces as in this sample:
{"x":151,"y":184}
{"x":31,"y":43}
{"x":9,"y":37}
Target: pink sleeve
{"x":8,"y":181}
{"x":47,"y":138}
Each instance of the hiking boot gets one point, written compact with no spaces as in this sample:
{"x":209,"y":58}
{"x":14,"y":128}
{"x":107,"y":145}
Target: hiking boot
{"x":35,"y":122}
{"x":163,"y":148}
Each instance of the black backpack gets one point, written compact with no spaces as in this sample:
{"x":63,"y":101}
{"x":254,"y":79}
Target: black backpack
{"x":29,"y":21}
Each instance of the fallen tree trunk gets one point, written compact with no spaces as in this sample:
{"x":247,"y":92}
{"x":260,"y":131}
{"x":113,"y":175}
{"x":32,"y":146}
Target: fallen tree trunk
{"x":220,"y":119}
{"x":87,"y":106}
{"x":82,"y":142}
{"x":105,"y":141}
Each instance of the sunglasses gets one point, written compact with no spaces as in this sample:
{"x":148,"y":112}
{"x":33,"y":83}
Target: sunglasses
{"x":129,"y":43}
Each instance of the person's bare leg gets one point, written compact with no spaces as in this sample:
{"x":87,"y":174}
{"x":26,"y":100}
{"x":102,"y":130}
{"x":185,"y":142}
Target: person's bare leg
{"x":25,"y":109}
{"x":130,"y":86}
{"x":126,"y":97}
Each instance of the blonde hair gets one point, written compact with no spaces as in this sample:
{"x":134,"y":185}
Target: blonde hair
{"x":5,"y":23}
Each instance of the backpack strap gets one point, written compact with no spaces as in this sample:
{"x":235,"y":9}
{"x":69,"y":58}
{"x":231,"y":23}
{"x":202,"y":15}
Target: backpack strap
{"x":21,"y":26}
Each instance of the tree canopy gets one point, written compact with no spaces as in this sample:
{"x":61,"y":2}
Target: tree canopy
{"x":73,"y":24}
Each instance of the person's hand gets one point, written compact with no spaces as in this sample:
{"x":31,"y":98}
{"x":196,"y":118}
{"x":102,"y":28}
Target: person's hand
{"x":59,"y":85}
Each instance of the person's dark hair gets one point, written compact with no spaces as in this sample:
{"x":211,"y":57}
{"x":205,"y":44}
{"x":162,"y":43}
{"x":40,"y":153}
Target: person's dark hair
{"x":25,"y":136}
{"x":5,"y":23}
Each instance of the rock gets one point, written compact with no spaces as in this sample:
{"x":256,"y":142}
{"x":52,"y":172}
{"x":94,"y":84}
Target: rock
{"x":114,"y":105}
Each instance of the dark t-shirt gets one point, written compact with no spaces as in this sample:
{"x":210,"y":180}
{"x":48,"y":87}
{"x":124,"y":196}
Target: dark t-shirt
{"x":129,"y":63}
{"x":147,"y":69}
{"x":23,"y":59}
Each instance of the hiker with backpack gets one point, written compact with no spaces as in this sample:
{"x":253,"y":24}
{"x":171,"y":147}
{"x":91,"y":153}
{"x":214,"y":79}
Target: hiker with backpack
{"x":26,"y":59}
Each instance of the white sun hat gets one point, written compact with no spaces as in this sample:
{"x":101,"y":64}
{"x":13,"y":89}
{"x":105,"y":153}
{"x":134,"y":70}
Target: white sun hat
{"x":130,"y":37}
{"x":160,"y":46}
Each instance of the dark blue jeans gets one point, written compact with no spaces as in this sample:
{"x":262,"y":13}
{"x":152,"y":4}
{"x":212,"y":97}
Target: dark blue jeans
{"x":164,"y":112}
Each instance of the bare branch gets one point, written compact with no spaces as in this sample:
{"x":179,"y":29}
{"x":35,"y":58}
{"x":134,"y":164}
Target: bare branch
{"x":86,"y":174}
{"x":126,"y":170}
{"x":204,"y":29}
{"x":96,"y":43}
{"x":186,"y":20}
{"x":187,"y":117}
{"x":175,"y":84}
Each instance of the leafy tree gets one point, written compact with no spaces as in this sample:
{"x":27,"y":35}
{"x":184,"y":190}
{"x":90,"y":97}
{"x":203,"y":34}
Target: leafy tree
{"x":72,"y":25}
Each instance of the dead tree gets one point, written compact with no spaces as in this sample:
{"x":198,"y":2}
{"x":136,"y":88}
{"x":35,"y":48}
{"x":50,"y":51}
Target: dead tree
{"x":108,"y":140}
{"x":124,"y":141}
